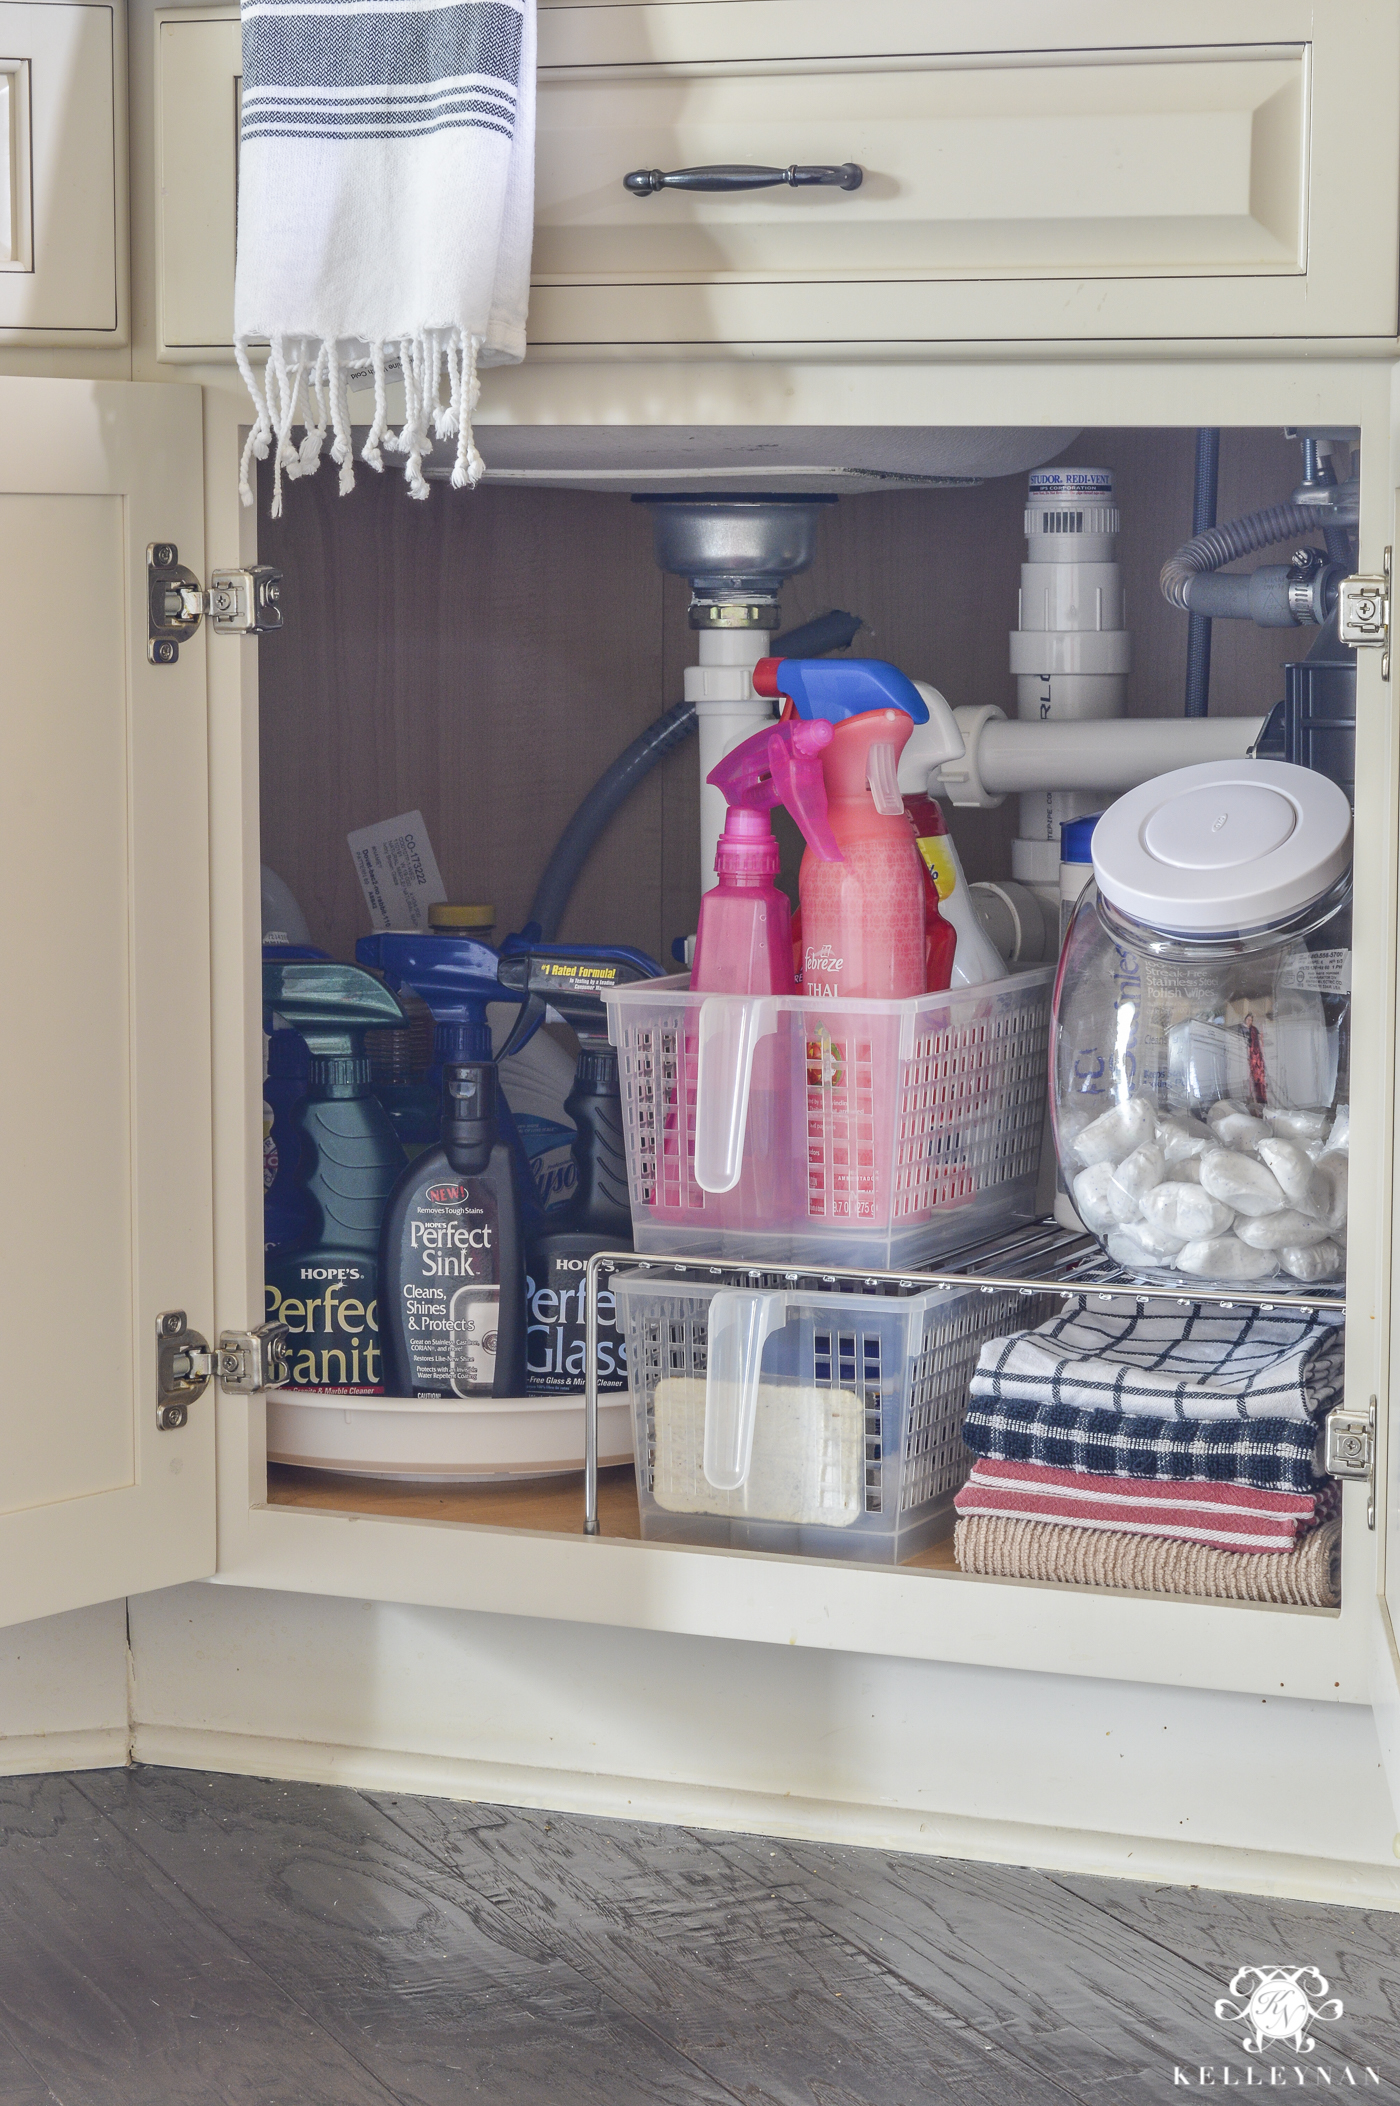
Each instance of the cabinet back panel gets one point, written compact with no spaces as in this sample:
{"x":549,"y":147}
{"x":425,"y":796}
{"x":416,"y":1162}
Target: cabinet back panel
{"x":483,"y":656}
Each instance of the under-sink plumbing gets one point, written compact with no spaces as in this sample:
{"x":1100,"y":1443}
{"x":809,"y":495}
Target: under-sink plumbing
{"x":737,"y":553}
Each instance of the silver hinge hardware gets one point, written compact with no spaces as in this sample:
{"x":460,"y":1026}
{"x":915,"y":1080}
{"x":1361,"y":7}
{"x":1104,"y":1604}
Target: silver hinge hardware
{"x":1351,"y":1449}
{"x":185,"y":1364}
{"x":238,"y":602}
{"x":1363,"y":612}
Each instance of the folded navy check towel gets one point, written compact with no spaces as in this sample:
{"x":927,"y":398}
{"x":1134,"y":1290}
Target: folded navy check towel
{"x":1203,"y":1363}
{"x":1270,"y":1454}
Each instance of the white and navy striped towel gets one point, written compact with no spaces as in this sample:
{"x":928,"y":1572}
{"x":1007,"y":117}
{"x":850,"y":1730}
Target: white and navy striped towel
{"x":1207,"y":1363}
{"x":385,"y":208}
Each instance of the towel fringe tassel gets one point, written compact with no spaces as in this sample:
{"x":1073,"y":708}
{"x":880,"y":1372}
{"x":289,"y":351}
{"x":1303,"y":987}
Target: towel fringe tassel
{"x":306,"y":382}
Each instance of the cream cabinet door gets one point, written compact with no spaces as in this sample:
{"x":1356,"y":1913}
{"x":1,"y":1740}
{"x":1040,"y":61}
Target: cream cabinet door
{"x":107,"y":1215}
{"x":63,"y":171}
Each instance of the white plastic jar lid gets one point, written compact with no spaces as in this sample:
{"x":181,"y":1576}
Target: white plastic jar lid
{"x":1224,"y":847}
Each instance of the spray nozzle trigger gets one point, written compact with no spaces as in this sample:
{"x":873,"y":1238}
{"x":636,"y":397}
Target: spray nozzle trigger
{"x":882,"y":774}
{"x":782,"y":765}
{"x":837,"y":688}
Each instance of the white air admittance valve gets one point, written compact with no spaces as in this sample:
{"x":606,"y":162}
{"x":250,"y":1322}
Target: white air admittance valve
{"x":1070,"y":653}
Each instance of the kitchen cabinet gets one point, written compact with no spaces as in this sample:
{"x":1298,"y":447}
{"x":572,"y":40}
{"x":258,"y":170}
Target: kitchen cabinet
{"x":63,"y":271}
{"x":1266,"y":301}
{"x":911,"y":1613}
{"x":109,"y":1211}
{"x":1093,"y":187}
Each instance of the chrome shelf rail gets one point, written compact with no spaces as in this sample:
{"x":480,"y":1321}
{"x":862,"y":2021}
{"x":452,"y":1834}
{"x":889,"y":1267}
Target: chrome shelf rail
{"x":1039,"y":1259}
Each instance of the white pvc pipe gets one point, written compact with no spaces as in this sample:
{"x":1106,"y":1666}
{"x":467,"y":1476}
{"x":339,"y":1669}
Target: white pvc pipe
{"x":1007,"y":756}
{"x":727,"y":712}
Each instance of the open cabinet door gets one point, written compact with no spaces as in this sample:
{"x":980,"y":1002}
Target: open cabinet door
{"x":1377,"y":796}
{"x":105,"y":1054}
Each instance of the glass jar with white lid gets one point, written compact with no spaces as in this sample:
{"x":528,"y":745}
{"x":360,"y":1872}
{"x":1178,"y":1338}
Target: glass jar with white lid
{"x":1201,"y":1029}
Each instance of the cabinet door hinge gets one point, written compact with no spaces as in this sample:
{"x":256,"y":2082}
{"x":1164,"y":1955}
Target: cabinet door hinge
{"x":1351,"y":1449}
{"x":186,"y":1365}
{"x":1363,"y":612}
{"x":238,"y":602}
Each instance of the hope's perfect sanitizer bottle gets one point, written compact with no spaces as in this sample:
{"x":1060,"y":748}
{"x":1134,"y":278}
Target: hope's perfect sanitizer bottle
{"x":346,"y":1160}
{"x":452,"y":1283}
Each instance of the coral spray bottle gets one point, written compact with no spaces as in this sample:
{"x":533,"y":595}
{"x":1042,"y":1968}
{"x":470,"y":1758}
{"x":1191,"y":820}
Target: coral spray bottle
{"x":867,"y":921}
{"x":863,"y":918}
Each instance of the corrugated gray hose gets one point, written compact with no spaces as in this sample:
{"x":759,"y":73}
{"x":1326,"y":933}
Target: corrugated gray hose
{"x":1219,"y":545}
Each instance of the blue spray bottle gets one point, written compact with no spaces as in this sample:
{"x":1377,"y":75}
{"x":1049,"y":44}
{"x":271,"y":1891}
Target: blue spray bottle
{"x":288,"y":1214}
{"x":451,"y":1253}
{"x":573,"y":981}
{"x":326,"y":1288}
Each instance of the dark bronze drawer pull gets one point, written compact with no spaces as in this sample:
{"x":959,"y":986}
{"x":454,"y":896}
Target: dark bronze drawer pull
{"x":643,"y":181}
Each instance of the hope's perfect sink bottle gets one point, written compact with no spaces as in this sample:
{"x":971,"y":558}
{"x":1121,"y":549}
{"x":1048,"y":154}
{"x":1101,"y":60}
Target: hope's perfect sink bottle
{"x":450,"y":1257}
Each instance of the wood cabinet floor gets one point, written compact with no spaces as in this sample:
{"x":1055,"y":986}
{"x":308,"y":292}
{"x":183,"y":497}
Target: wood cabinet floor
{"x":173,"y":1936}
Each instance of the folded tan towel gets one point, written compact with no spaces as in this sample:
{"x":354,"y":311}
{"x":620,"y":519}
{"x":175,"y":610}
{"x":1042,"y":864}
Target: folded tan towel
{"x":1002,"y":1546}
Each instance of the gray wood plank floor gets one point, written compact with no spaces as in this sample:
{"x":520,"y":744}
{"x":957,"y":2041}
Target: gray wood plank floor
{"x":169,"y":1938}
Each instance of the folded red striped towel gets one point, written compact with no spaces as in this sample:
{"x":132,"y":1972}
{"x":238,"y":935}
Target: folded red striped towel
{"x":1228,"y":1516}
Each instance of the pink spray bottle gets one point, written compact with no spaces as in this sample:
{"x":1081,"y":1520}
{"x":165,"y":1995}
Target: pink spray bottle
{"x":744,"y":941}
{"x":863,"y":926}
{"x":749,"y":1151}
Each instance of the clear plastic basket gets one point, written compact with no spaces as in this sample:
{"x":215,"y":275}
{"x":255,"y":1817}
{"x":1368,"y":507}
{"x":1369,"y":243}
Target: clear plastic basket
{"x":825,"y":1424}
{"x":778,"y":1127}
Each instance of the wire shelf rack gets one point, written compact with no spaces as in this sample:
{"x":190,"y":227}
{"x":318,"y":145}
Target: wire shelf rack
{"x":1037,"y":1259}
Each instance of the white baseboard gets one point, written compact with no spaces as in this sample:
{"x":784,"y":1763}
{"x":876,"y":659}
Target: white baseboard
{"x":40,"y":1754}
{"x":1271,"y":1873}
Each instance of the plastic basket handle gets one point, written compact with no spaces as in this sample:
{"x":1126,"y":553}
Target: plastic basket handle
{"x":739,"y":1325}
{"x":730,"y":1029}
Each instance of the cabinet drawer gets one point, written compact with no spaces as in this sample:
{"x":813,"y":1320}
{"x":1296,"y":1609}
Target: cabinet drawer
{"x":59,"y":179}
{"x":1034,"y":193}
{"x":1094,"y":190}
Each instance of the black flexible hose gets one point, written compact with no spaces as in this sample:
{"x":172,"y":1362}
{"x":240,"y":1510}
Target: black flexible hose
{"x":1223,"y":544}
{"x":1340,"y":545}
{"x":1202,"y":519}
{"x":613,"y":787}
{"x":828,"y":632}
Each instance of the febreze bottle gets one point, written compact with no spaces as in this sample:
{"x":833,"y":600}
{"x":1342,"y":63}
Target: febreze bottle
{"x":864,"y":928}
{"x":326,"y":1287}
{"x":744,"y":941}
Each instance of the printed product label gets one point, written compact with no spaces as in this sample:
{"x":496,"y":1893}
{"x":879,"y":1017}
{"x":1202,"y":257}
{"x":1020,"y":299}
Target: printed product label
{"x":331,"y":1309}
{"x":549,"y":1150}
{"x":1317,"y":972}
{"x":937,"y":855}
{"x":821,"y":971}
{"x":398,"y":871}
{"x":556,"y":1359}
{"x":450,"y":1286}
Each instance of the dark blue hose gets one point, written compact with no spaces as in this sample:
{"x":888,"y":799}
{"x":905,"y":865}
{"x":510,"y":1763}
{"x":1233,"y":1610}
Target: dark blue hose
{"x":1202,"y":517}
{"x":612,"y":789}
{"x":829,"y":632}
